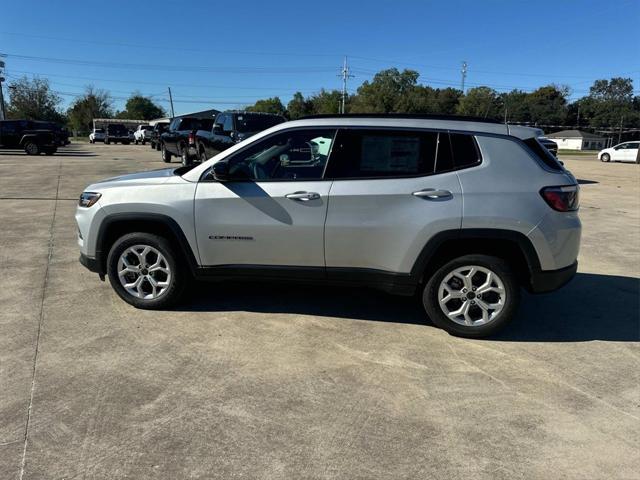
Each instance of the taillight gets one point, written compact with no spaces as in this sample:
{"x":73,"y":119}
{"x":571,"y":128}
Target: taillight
{"x":192,"y":138}
{"x":562,"y":199}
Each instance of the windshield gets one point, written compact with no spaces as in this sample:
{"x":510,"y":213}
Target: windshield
{"x":255,"y":123}
{"x":99,"y":130}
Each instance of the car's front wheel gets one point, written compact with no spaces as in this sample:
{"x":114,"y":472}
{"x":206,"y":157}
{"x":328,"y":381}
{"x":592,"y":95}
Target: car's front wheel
{"x":605,"y":157}
{"x":472,"y":296}
{"x":32,"y":148}
{"x":145,"y":271}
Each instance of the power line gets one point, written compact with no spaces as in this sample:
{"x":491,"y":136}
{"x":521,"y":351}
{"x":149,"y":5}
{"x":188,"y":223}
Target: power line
{"x":180,"y":68}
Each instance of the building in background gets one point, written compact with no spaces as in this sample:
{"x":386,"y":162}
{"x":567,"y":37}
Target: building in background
{"x":577,"y":140}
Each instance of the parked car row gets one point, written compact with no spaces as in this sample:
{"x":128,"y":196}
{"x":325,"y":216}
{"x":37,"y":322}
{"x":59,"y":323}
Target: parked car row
{"x":198,"y":139}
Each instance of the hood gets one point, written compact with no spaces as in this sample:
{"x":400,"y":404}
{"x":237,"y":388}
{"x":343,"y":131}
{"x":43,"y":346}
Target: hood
{"x":154,"y":177}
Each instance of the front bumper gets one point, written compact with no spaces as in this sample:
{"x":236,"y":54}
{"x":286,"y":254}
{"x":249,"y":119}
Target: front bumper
{"x":543,"y":281}
{"x":92,"y":264}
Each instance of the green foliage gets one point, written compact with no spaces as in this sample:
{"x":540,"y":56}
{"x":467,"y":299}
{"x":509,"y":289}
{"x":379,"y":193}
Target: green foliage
{"x":299,"y":106}
{"x":610,"y":103}
{"x":480,"y":102}
{"x":139,"y":107}
{"x":33,"y":100}
{"x":93,"y":104}
{"x":547,"y":105}
{"x":269,"y":105}
{"x":388,"y":92}
{"x":327,"y":102}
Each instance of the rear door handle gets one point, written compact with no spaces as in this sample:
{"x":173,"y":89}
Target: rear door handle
{"x":303,"y":196}
{"x":433,"y":194}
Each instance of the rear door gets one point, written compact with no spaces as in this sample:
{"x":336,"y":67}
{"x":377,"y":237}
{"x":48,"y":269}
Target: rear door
{"x":392,"y":191}
{"x":271,"y":211}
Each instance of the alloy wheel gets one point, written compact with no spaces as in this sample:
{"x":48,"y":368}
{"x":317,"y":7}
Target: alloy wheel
{"x":471,"y":295}
{"x":144,"y":272}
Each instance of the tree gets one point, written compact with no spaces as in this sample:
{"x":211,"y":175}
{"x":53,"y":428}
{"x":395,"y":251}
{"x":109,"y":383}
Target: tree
{"x":139,"y":107}
{"x":33,"y":100}
{"x":299,"y":106}
{"x":610,"y":103}
{"x":548,"y":105}
{"x":386,"y":93}
{"x":327,"y":102}
{"x":93,"y":104}
{"x":515,"y":103}
{"x":268,"y":105}
{"x":480,"y":102}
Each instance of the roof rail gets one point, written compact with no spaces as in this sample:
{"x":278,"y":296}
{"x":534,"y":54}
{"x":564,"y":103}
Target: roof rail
{"x":416,"y":116}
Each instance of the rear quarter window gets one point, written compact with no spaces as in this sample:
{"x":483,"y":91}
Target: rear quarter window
{"x":542,"y":154}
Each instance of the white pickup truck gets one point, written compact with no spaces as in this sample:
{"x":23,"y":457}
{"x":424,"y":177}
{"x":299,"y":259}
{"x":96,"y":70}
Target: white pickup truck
{"x":142,"y":134}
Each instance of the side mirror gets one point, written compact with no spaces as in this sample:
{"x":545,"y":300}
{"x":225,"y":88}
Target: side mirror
{"x":217,"y":128}
{"x":221,"y":171}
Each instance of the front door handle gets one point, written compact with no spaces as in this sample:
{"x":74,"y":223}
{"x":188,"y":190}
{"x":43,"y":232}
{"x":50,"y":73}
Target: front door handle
{"x":303,"y":196}
{"x":433,"y":194}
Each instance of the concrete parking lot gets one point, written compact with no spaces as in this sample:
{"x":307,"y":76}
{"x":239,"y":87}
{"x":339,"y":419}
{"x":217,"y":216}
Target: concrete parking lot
{"x":279,"y":381}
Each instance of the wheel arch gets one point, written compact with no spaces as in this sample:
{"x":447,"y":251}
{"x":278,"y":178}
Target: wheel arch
{"x":116,"y":225}
{"x":512,"y":246}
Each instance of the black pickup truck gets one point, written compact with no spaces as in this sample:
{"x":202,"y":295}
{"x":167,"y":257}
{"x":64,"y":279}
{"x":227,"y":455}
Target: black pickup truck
{"x":181,"y":133}
{"x":116,"y":132}
{"x":230,"y":128}
{"x":28,"y":135}
{"x":154,"y":137}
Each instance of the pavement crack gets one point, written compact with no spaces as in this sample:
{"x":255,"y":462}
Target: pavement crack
{"x":40,"y":321}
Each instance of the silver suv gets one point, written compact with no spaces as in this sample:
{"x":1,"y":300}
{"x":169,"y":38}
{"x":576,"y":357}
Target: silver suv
{"x":462,"y":211}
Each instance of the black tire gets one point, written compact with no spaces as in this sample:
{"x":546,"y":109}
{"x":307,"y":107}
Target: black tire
{"x":157,"y":146}
{"x":511,"y":299}
{"x":107,"y":141}
{"x":92,"y":141}
{"x":153,"y":146}
{"x":166,"y":156}
{"x":605,"y":157}
{"x":31,"y":148}
{"x":184,"y":157}
{"x":136,"y":142}
{"x":179,"y":275}
{"x":144,"y":142}
{"x":203,"y":155}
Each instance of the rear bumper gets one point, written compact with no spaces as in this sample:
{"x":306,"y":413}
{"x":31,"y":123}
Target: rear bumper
{"x":543,"y":281}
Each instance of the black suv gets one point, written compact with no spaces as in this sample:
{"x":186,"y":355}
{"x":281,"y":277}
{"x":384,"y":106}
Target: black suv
{"x":229,"y":128}
{"x":116,"y":132}
{"x":28,"y":135}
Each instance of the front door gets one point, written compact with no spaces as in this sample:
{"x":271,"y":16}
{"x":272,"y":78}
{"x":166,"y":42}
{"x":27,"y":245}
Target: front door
{"x":271,"y":211}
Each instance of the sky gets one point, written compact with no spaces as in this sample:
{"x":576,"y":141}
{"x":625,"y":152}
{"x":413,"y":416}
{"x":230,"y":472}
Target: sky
{"x":229,"y":54}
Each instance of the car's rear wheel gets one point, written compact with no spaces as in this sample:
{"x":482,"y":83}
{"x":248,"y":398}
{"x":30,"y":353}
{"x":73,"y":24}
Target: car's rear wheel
{"x":203,"y":155}
{"x":145,"y":271}
{"x":166,"y":156}
{"x":31,"y":148}
{"x":605,"y":157}
{"x":472,"y":296}
{"x":184,"y":156}
{"x":107,"y":141}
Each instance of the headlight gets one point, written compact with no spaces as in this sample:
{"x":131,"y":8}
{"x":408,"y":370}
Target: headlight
{"x":87,"y":199}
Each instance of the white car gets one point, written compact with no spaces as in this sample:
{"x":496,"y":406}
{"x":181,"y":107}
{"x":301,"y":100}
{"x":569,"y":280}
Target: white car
{"x":623,"y":152}
{"x":142,"y":134}
{"x":97,"y":135}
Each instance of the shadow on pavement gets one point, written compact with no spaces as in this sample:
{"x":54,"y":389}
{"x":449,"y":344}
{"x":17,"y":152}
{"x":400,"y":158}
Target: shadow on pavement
{"x":590,"y":307}
{"x":586,"y":182}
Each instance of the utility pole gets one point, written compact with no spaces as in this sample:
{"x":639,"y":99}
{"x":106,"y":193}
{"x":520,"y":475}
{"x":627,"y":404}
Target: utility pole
{"x":171,"y":101}
{"x":578,"y":119}
{"x":620,"y":131}
{"x":3,"y":113}
{"x":464,"y":74}
{"x":346,"y":75}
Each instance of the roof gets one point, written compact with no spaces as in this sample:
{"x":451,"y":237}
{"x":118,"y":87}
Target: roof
{"x":574,"y":134}
{"x":414,"y":116}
